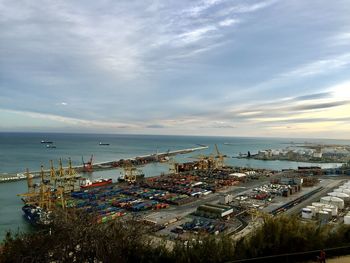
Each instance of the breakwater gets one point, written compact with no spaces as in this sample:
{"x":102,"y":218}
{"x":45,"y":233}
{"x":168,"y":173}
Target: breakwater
{"x":106,"y":165}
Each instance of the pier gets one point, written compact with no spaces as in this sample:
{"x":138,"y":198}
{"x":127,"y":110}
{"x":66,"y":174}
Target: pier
{"x":106,"y":165}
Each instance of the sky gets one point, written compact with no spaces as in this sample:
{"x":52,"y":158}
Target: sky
{"x":268,"y":68}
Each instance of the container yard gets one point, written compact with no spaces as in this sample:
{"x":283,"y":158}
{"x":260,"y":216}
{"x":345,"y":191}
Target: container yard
{"x":65,"y":188}
{"x":113,"y":201}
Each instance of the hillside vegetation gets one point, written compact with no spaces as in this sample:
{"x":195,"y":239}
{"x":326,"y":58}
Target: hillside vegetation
{"x":77,"y":238}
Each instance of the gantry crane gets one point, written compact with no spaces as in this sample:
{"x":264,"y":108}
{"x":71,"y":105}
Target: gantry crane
{"x":53,"y":179}
{"x":61,"y":174}
{"x":44,"y":191}
{"x":173,"y":166}
{"x":204,"y":162}
{"x":41,"y":198}
{"x":71,"y":176}
{"x":31,"y":195}
{"x":52,"y":186}
{"x":219,"y":158}
{"x":131,"y":173}
{"x":31,"y":186}
{"x":60,"y":196}
{"x":67,"y":178}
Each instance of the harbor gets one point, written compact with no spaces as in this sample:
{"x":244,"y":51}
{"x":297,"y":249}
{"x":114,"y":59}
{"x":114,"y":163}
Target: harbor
{"x":200,"y":196}
{"x":170,"y":193}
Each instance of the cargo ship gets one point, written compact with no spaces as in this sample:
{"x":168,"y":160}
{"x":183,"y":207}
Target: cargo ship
{"x":103,"y":144}
{"x":96,"y":183}
{"x":35,"y":215}
{"x":46,"y":142}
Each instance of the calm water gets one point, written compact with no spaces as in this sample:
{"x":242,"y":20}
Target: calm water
{"x":24,"y":150}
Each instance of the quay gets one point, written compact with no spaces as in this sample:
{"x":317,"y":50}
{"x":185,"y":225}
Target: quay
{"x":107,"y":165}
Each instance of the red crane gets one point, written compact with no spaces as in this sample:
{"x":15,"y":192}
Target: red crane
{"x":87,"y":166}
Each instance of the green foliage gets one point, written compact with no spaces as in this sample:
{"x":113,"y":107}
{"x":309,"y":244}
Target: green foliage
{"x":282,"y":235}
{"x":78,"y":238}
{"x":205,"y":249}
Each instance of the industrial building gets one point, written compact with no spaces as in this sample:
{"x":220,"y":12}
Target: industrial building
{"x":214,"y":210}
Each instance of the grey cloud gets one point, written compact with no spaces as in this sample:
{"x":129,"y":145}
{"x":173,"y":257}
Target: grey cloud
{"x":318,"y":106}
{"x":320,"y":95}
{"x":155,"y":126}
{"x":308,"y":120}
{"x":218,"y":127}
{"x":127,"y":61}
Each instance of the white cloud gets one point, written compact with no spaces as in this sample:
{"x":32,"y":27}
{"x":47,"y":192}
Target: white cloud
{"x":201,"y":7}
{"x":320,"y":66}
{"x":74,"y":121}
{"x":196,"y":34}
{"x":247,"y":8}
{"x":228,"y":22}
{"x":341,"y":90}
{"x":342,"y":38}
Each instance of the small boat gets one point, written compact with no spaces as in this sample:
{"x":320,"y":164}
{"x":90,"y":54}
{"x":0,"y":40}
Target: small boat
{"x":103,"y":144}
{"x":46,"y":142}
{"x":50,"y":146}
{"x":96,"y":183}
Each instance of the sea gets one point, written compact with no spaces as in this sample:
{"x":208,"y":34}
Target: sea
{"x":19,"y":151}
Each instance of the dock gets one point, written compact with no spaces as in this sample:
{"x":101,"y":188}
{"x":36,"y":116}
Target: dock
{"x":107,"y":165}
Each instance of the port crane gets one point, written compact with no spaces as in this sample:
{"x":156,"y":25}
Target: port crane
{"x":30,"y":184}
{"x":71,"y":175}
{"x":87,"y":166}
{"x":63,"y":178}
{"x":204,"y":162}
{"x":173,"y":166}
{"x":130,"y":173}
{"x":53,"y":173}
{"x":219,"y":158}
{"x":41,"y":198}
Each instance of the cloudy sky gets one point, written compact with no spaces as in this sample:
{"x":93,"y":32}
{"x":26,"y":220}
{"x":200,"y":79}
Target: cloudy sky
{"x":199,"y":67}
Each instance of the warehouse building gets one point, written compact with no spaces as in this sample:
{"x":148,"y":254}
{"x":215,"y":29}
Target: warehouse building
{"x":214,"y":210}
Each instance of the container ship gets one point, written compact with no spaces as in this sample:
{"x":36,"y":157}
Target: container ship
{"x":96,"y":183}
{"x":35,"y":215}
